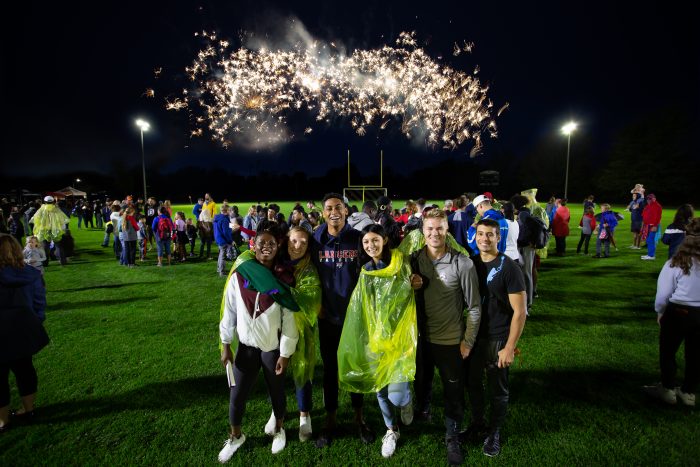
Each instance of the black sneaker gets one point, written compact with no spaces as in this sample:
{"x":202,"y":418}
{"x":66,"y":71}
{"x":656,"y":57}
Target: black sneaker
{"x":475,"y":431}
{"x":324,"y":439}
{"x":454,"y":451}
{"x":492,"y":445}
{"x":423,"y":416}
{"x":366,"y":434}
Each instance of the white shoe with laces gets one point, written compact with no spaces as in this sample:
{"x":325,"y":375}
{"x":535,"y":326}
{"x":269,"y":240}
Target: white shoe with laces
{"x":685,"y":398}
{"x":407,"y":414}
{"x":389,"y":443}
{"x":305,"y":428}
{"x":648,"y":258}
{"x":230,"y":447}
{"x":657,"y":391}
{"x":279,"y":441}
{"x":271,"y":425}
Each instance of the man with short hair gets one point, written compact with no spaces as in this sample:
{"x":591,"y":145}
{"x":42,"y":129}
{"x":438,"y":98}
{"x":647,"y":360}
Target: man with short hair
{"x":360,"y":220}
{"x":448,"y":285}
{"x":151,"y":213}
{"x":334,"y":253}
{"x":298,"y":219}
{"x":223,"y":235}
{"x":459,"y":222}
{"x":482,"y":203}
{"x":503,"y":318}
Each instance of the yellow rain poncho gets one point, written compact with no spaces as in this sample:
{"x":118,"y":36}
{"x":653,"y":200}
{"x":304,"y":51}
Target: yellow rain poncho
{"x":49,"y":223}
{"x":537,"y":211}
{"x":379,"y":338}
{"x":307,"y":294}
{"x":415,"y":240}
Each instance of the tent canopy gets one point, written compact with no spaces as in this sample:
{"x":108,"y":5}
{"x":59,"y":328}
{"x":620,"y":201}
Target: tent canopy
{"x":70,"y":191}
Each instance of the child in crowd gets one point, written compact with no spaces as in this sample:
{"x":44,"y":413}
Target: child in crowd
{"x":181,"y":233}
{"x":34,"y":254}
{"x":142,"y":235}
{"x":191,"y":231}
{"x":606,"y":229}
{"x":587,"y":225}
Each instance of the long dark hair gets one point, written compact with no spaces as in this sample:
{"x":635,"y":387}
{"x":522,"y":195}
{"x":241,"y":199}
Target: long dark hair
{"x":689,"y":249}
{"x":683,"y":216}
{"x":386,"y":251}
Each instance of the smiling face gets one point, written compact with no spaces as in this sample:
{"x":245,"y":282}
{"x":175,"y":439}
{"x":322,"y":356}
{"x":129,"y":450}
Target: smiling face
{"x":297,"y":245}
{"x":265,"y":248}
{"x":435,"y":232}
{"x":334,"y":212}
{"x":373,"y":244}
{"x":487,"y":239}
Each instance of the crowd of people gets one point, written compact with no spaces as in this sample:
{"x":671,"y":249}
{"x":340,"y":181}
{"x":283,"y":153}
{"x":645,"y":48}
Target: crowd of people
{"x":390,"y":294}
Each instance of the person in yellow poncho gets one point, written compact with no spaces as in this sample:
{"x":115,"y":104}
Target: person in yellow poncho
{"x":307,"y":294}
{"x":377,"y":350}
{"x":49,"y":226}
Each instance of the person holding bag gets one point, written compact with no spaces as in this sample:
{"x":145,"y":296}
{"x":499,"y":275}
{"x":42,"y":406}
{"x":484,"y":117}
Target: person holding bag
{"x":22,"y":305}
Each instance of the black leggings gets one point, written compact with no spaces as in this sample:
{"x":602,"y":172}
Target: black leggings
{"x":248,"y":362}
{"x":484,"y":356}
{"x":584,"y":241}
{"x":680,"y":323}
{"x":329,"y":339}
{"x":25,"y":374}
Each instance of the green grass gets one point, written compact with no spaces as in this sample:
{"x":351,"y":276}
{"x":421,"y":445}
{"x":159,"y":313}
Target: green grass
{"x":132,"y":374}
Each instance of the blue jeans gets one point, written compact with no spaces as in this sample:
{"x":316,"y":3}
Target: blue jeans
{"x":163,"y":247}
{"x":651,"y":243}
{"x":304,"y":401}
{"x":390,"y":396}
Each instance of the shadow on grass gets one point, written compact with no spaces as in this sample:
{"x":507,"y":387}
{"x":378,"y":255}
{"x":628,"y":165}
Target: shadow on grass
{"x":96,"y":303}
{"x":106,"y":286}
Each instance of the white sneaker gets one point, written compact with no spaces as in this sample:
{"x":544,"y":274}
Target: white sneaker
{"x":271,"y":425}
{"x":389,"y":443}
{"x":647,"y":257}
{"x":686,"y":398}
{"x":407,"y":414}
{"x":305,"y":428}
{"x":279,"y":441}
{"x":659,"y":392}
{"x":230,"y":446}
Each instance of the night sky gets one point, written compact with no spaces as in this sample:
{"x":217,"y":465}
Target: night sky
{"x":73,"y":75}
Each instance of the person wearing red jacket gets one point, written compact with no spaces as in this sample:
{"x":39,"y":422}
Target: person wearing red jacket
{"x":651,"y":217}
{"x":560,"y":226}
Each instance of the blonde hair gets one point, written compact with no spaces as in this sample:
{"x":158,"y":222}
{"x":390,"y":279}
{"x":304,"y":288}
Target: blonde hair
{"x":30,"y":238}
{"x":435,"y":214}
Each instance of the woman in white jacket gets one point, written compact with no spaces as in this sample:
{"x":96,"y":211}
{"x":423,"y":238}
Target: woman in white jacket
{"x":257,"y":309}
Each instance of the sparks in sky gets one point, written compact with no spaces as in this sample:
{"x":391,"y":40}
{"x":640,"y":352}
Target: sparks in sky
{"x":254,"y":92}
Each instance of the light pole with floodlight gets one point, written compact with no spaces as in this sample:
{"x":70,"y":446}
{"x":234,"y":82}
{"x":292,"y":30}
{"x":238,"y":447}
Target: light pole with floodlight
{"x":143,"y":126}
{"x":567,"y":130}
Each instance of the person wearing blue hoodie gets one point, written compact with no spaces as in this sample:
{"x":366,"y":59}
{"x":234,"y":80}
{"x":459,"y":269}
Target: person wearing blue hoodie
{"x":223,"y":235}
{"x":334,"y":251}
{"x":22,"y":307}
{"x":483,"y":207}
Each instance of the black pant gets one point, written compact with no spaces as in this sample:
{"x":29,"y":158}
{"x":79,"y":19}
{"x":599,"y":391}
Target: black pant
{"x":25,"y":375}
{"x":560,"y":245}
{"x":680,"y":323}
{"x":58,"y":251}
{"x":449,"y":362}
{"x":329,"y":338}
{"x":130,"y":251}
{"x":192,"y":240}
{"x":248,"y":362}
{"x":484,"y":356}
{"x":585,"y":240}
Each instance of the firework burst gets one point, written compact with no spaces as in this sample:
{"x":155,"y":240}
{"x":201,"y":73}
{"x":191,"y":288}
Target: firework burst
{"x":254,"y":93}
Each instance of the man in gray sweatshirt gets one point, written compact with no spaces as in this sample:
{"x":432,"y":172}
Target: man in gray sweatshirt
{"x":449,"y":285}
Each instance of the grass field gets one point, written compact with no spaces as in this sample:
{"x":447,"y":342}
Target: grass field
{"x":132,"y":375}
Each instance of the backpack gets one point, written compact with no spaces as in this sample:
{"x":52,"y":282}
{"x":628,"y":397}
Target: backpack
{"x":164,"y":228}
{"x":539,"y":234}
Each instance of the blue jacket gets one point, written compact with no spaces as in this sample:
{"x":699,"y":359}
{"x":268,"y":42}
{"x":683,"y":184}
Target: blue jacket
{"x":608,"y":217}
{"x":26,"y":282}
{"x":498,"y":217}
{"x":222,"y":230}
{"x":196,"y":210}
{"x":459,"y":223}
{"x":673,"y":237}
{"x":335,"y":259}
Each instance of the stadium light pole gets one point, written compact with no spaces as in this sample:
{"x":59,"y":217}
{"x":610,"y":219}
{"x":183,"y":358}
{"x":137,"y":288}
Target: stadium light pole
{"x":567,"y":130}
{"x":143,"y":126}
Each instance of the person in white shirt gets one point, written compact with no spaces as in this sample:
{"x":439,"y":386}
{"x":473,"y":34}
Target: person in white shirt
{"x":258,"y":310}
{"x":513,"y":232}
{"x":678,"y":314}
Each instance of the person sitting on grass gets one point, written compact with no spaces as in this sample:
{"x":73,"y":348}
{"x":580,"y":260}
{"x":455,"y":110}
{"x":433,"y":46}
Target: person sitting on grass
{"x":377,"y":349}
{"x":22,"y":305}
{"x":677,"y":306}
{"x":257,"y":309}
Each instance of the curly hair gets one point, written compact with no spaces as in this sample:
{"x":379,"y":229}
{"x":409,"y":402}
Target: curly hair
{"x":689,"y":249}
